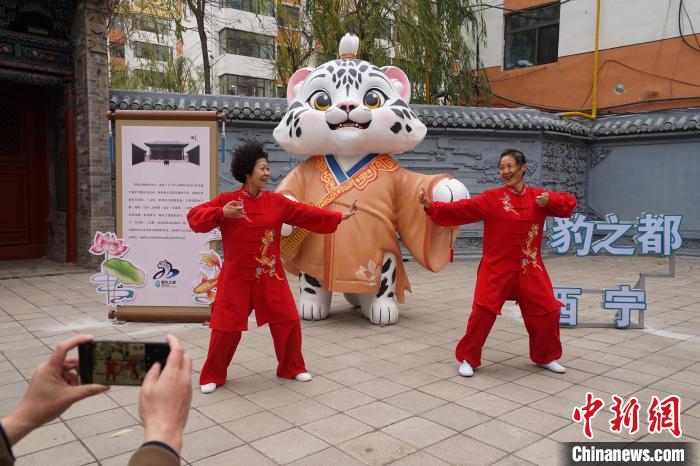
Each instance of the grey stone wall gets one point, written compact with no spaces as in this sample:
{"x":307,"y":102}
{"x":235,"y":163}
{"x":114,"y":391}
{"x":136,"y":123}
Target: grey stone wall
{"x":91,"y":106}
{"x":659,"y":175}
{"x":564,"y":167}
{"x":471,"y":156}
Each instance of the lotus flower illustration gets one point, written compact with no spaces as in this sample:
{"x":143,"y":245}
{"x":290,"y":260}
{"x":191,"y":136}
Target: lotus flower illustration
{"x":109,"y":244}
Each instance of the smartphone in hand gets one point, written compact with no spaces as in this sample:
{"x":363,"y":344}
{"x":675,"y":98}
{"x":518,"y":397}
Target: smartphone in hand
{"x":112,"y":362}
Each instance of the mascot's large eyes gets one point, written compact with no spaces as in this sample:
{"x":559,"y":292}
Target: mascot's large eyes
{"x":321,"y":101}
{"x":373,"y":99}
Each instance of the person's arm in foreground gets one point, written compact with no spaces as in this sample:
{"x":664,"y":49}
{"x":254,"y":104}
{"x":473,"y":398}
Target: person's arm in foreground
{"x":55,"y":386}
{"x":164,"y":402}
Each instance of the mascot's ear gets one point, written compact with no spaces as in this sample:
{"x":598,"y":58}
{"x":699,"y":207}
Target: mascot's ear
{"x":295,"y":83}
{"x":400,"y":81}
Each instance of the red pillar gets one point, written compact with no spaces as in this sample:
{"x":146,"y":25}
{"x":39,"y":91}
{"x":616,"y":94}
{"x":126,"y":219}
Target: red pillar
{"x":71,"y":177}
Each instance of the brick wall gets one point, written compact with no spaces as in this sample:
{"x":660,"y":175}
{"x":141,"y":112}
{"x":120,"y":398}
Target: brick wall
{"x":91,"y":106}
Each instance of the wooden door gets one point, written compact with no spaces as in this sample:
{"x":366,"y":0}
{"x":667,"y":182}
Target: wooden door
{"x":24,"y":197}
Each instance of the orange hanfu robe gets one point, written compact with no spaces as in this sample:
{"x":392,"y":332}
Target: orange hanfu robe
{"x":386,"y":197}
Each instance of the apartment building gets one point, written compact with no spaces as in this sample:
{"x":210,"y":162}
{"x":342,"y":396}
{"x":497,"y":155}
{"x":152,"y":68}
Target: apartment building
{"x":540,"y":54}
{"x":242,"y":38}
{"x":145,"y":46}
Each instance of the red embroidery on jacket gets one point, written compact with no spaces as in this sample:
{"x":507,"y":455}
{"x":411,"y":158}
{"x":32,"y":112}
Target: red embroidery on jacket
{"x":530,"y":252}
{"x":505,"y":200}
{"x":239,"y":203}
{"x":267,"y":263}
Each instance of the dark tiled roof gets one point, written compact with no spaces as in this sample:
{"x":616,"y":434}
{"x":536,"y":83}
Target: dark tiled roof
{"x":664,"y":121}
{"x":496,"y":118}
{"x":238,"y":108}
{"x":515,"y":119}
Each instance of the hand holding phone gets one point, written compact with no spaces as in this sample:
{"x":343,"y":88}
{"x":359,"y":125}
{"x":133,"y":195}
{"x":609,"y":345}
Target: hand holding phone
{"x":54,"y":388}
{"x":165,"y":397}
{"x":112,"y":362}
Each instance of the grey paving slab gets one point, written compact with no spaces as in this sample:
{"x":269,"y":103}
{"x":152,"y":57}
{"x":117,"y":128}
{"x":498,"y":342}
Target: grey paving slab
{"x":376,"y":448}
{"x":289,"y":445}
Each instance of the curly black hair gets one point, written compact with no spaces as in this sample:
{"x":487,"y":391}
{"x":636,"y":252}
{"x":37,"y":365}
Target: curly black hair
{"x":244,"y":159}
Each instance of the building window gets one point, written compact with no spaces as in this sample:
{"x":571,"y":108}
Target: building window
{"x":246,"y":85}
{"x":116,"y":49}
{"x":152,"y":51}
{"x":248,"y":44}
{"x":260,"y":7}
{"x":116,"y":25}
{"x":532,"y":37}
{"x":288,"y":16}
{"x":150,"y":23}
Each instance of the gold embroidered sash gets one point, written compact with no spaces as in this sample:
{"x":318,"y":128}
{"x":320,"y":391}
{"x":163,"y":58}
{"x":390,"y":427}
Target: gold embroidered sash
{"x":360,"y":180}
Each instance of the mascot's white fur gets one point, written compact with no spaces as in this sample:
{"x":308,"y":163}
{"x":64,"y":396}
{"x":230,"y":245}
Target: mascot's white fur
{"x":349,"y":117}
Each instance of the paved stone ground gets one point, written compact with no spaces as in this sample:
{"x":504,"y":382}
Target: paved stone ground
{"x":380,"y":395}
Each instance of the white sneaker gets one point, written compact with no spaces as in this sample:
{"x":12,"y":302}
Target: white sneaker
{"x":207,"y":388}
{"x":465,"y":369}
{"x":303,"y":377}
{"x":554,"y":366}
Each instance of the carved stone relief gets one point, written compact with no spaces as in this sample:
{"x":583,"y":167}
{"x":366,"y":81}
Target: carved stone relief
{"x":251,"y":135}
{"x":598,"y":153}
{"x":564,"y":168}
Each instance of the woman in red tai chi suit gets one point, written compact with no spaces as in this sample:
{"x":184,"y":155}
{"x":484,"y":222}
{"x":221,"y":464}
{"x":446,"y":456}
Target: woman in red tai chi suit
{"x":511,"y":267}
{"x":250,"y":220}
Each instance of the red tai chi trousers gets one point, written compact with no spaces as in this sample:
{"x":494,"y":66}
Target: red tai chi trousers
{"x":222,"y":345}
{"x":542,"y":327}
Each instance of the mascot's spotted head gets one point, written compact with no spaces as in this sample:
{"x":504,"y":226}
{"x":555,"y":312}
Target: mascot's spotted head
{"x":349,"y":107}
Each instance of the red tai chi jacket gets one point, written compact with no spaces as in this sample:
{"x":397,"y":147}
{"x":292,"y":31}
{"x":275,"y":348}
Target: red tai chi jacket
{"x":511,"y":265}
{"x":253,"y":275}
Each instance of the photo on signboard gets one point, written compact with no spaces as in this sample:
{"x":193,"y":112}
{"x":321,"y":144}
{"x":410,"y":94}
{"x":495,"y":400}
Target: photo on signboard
{"x":165,"y":152}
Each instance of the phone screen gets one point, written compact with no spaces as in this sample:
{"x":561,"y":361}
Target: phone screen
{"x":119,"y":363}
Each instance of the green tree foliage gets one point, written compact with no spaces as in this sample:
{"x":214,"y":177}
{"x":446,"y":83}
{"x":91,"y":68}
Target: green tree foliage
{"x":433,"y":41}
{"x":179,"y":75}
{"x":295,"y":44}
{"x":159,"y":69}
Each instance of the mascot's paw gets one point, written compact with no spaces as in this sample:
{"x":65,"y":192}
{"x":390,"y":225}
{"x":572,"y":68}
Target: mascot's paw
{"x":312,"y":308}
{"x":381,"y":311}
{"x":449,"y":191}
{"x":314,"y":302}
